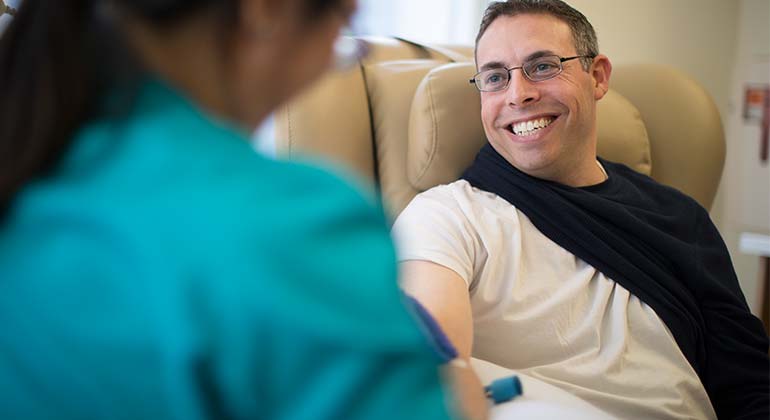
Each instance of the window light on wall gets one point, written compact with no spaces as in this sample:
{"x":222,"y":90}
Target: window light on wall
{"x":426,"y":21}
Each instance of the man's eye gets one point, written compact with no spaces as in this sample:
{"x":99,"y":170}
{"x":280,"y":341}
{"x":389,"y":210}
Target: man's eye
{"x":544,"y":67}
{"x":495,"y":78}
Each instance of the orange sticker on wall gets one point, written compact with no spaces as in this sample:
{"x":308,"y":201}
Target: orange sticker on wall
{"x":754,"y":103}
{"x":756,"y":108}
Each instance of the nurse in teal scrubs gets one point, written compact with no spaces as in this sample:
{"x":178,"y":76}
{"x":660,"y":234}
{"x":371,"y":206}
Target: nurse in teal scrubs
{"x":151,"y":264}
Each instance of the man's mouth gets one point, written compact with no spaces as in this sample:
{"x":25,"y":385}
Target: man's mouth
{"x":529,"y":127}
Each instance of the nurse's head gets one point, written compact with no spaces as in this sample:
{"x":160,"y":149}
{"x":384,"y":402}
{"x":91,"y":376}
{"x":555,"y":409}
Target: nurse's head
{"x":237,"y":59}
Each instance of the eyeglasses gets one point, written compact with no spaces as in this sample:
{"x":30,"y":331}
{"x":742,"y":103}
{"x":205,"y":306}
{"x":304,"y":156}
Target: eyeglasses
{"x":536,"y":70}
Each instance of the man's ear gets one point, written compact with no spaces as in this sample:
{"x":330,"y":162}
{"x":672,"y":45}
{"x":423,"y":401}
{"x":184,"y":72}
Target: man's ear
{"x":600,"y":75}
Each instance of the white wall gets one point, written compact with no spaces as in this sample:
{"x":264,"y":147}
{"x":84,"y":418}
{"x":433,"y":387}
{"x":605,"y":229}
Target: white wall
{"x":746,"y":183}
{"x":429,"y":21}
{"x":697,"y":36}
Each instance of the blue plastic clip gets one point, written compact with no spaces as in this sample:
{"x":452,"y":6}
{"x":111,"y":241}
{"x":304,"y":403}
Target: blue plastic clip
{"x":504,"y":389}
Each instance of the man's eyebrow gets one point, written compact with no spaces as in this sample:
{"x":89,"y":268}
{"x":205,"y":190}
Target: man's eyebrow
{"x":538,"y":54}
{"x":492,"y":65}
{"x":501,"y":65}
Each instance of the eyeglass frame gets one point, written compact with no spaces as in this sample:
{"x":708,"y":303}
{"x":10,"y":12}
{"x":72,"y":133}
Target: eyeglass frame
{"x":510,"y":71}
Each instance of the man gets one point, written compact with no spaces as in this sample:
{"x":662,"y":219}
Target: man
{"x":572,"y":269}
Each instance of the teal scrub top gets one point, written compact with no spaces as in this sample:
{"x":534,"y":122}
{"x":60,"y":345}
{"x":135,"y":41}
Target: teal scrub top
{"x":166,"y":270}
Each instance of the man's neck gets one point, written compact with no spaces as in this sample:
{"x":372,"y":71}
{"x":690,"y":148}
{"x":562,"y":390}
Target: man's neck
{"x":592,"y":173}
{"x":588,"y":173}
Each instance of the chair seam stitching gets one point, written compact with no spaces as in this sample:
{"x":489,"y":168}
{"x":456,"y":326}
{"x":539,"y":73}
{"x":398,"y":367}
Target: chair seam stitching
{"x":434,"y":142}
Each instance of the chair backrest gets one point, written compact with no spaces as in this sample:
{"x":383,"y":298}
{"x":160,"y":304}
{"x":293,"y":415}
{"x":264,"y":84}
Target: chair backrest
{"x":407,"y":119}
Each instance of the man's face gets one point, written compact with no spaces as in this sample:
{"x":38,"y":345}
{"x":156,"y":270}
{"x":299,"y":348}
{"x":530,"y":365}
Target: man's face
{"x":565,"y":149}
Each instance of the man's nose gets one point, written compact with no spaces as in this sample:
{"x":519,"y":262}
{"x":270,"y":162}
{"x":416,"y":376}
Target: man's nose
{"x":521,"y":91}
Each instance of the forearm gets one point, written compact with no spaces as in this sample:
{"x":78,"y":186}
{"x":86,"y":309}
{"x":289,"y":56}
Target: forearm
{"x":467,"y":390}
{"x":444,"y":294}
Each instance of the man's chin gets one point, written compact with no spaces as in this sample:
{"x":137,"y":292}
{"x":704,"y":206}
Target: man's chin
{"x":524,"y":159}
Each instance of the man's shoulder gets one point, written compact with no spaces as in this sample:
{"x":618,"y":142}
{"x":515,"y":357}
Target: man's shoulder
{"x":642,"y":188}
{"x":459,"y":202}
{"x":460,"y":191}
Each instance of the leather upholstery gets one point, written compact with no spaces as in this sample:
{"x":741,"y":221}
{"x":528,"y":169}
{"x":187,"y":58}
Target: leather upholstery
{"x":407,"y":119}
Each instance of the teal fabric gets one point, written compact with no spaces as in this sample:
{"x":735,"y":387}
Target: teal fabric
{"x":165,"y":270}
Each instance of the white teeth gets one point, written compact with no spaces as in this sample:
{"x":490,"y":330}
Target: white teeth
{"x":529,"y":127}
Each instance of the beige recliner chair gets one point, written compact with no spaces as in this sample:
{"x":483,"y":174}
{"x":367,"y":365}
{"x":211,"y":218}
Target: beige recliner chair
{"x":407,"y":119}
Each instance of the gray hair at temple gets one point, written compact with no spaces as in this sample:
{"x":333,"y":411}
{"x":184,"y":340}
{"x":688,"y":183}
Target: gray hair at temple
{"x":583,"y":33}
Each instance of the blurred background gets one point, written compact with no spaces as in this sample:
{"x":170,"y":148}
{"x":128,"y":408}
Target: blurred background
{"x":722,"y":44}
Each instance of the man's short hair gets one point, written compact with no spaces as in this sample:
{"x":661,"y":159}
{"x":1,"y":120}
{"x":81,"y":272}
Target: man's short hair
{"x":583,"y":34}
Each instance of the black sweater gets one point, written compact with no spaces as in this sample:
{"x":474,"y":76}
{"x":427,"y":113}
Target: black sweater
{"x":662,"y":246}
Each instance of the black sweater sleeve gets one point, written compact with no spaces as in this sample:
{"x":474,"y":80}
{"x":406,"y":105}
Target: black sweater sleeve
{"x":737,"y":371}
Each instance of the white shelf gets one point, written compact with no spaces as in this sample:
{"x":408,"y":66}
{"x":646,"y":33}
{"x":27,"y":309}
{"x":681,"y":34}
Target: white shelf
{"x":755,"y":244}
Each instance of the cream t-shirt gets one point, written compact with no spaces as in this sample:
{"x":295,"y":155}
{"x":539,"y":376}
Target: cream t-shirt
{"x":542,"y":311}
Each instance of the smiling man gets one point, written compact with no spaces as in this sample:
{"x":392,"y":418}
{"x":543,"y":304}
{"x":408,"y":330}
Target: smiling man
{"x":554,"y":262}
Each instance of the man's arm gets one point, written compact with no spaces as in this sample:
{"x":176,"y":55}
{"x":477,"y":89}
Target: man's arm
{"x":737,"y":365}
{"x":445,"y":295}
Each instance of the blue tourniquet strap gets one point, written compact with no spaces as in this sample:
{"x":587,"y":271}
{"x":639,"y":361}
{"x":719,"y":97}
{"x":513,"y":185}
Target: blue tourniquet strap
{"x":440,"y":342}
